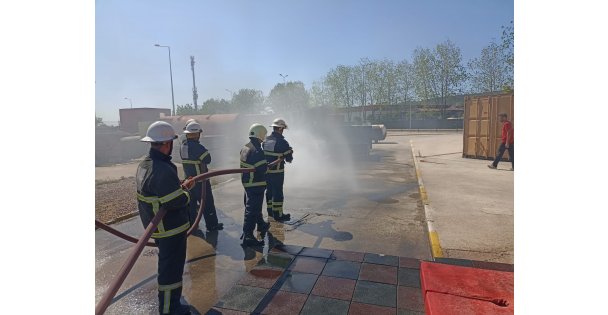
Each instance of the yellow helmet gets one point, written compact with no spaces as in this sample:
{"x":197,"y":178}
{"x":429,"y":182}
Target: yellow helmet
{"x":258,"y":131}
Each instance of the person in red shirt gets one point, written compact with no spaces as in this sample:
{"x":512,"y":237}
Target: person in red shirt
{"x":507,"y":142}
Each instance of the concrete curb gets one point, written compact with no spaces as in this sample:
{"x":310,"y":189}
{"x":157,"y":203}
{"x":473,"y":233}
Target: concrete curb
{"x":436,"y":250}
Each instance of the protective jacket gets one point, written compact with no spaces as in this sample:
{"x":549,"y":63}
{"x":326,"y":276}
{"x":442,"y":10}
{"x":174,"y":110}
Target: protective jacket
{"x":159,"y":186}
{"x":252,"y":156}
{"x":195,"y":157}
{"x":275,"y":147}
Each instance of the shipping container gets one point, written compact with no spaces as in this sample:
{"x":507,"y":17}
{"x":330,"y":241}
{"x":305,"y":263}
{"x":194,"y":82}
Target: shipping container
{"x":131,"y":117}
{"x":482,"y":130}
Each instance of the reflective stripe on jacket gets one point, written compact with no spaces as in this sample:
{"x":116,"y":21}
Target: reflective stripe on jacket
{"x":275,"y":147}
{"x":252,"y":156}
{"x":195,"y":158}
{"x":158,"y":185}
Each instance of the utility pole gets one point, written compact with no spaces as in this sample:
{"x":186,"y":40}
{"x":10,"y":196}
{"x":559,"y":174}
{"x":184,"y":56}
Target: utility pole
{"x":194,"y":93}
{"x":170,"y":75}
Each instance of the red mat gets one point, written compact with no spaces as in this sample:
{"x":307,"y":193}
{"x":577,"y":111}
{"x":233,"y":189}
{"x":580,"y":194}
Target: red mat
{"x":464,"y":283}
{"x":445,"y":304}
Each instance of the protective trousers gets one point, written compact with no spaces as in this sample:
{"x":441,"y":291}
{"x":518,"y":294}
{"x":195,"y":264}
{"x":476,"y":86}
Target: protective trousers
{"x":171,"y":260}
{"x":274,"y":193}
{"x":254,"y":201}
{"x":209,"y":211}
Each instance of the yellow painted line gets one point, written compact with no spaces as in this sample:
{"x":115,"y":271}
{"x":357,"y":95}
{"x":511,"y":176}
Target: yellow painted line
{"x":436,"y":250}
{"x":435,"y":247}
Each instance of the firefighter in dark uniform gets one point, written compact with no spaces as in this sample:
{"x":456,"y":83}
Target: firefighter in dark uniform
{"x":252,"y":156}
{"x":195,"y":159}
{"x":159,"y":186}
{"x":276,"y":147}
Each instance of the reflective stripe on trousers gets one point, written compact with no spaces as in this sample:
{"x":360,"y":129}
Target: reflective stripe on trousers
{"x":167,"y":295}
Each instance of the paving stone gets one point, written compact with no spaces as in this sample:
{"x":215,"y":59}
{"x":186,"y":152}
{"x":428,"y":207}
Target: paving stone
{"x":493,"y":266}
{"x":284,"y":302}
{"x":221,"y":311}
{"x":375,"y":293}
{"x":378,"y":273}
{"x":342,"y":269}
{"x":290,"y":249}
{"x":347,"y":255}
{"x":321,"y":305}
{"x":410,"y":299}
{"x":297,"y":282}
{"x":242,"y":298}
{"x":316,"y":252}
{"x":381,"y":259}
{"x":263,"y":278}
{"x":366,"y":309}
{"x":406,"y":262}
{"x":409,"y":277}
{"x":308,"y":264}
{"x":455,"y":261}
{"x":408,"y":312}
{"x":275,"y":260}
{"x":336,"y":288}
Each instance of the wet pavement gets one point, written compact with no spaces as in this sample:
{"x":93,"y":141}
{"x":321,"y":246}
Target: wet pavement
{"x":338,"y":218}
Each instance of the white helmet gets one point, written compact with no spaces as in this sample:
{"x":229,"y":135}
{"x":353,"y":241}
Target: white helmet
{"x":193,"y":127}
{"x":279,"y":123}
{"x":159,"y":131}
{"x":257,"y":131}
{"x":189,"y":121}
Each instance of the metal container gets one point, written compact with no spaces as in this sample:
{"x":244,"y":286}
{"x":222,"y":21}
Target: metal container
{"x":131,"y":117}
{"x":482,"y":130}
{"x":378,"y":133}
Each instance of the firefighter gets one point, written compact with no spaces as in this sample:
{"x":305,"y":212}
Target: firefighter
{"x":159,"y":186}
{"x":252,"y":156}
{"x":182,"y":137}
{"x":195,"y":158}
{"x":276,"y":147}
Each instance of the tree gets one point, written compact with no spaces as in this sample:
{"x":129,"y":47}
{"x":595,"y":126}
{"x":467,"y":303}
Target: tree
{"x":187,"y":109}
{"x":405,"y":83}
{"x":290,"y":96}
{"x":508,"y":41}
{"x":425,"y":83}
{"x":340,"y":82}
{"x":216,"y":106}
{"x":248,"y":101}
{"x":449,"y":71}
{"x":99,"y":122}
{"x":488,"y":72}
{"x":320,"y":93}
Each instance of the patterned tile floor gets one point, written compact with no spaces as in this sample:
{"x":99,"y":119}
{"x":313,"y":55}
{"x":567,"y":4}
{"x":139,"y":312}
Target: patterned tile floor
{"x":297,"y":280}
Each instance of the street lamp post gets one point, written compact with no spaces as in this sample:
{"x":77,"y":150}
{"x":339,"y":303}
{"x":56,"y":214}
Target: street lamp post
{"x":284,"y":76}
{"x":171,"y":76}
{"x":130,"y":101}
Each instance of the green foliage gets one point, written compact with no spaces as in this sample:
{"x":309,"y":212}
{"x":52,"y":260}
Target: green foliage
{"x":291,"y":96}
{"x":99,"y":122}
{"x":187,"y":109}
{"x":508,"y":41}
{"x":217,"y":106}
{"x":488,"y":72}
{"x":248,"y":101}
{"x":210,"y":106}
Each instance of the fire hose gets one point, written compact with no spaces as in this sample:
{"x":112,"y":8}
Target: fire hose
{"x":143,"y":241}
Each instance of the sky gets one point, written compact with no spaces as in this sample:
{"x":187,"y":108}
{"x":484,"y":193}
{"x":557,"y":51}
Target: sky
{"x":247,"y":44}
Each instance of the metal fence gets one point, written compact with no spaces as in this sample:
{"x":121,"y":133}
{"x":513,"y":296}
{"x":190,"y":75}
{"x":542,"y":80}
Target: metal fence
{"x":424,"y":124}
